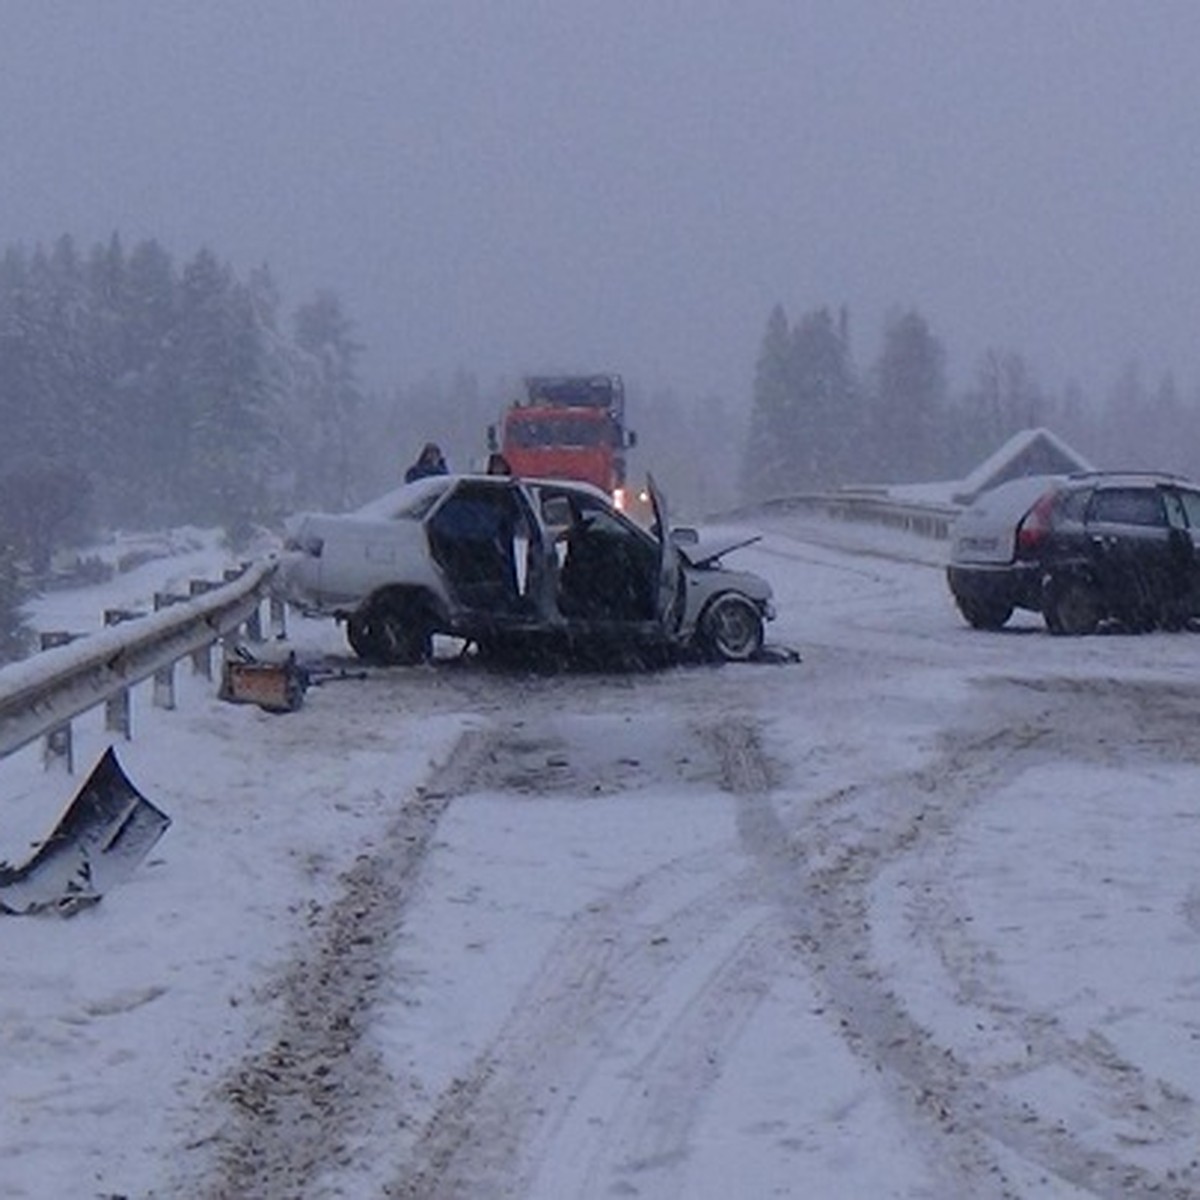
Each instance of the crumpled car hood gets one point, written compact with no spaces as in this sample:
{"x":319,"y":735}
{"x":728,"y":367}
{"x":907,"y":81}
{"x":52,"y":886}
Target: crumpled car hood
{"x":703,"y":547}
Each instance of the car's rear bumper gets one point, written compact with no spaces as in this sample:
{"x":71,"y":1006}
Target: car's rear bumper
{"x":1018,"y":585}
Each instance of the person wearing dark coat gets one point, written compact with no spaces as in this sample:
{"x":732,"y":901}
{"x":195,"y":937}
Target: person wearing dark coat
{"x":429,"y":462}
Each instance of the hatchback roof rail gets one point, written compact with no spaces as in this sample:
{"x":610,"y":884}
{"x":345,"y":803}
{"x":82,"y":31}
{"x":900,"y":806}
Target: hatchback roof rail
{"x":1136,"y":473}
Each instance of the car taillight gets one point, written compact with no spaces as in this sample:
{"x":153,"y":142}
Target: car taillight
{"x":1035,"y":525}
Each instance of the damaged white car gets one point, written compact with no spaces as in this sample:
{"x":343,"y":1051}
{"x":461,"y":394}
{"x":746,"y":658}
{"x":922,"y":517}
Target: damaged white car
{"x":522,"y":567}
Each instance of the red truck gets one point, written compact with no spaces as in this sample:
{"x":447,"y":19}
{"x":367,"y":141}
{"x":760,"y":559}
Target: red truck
{"x":568,"y":427}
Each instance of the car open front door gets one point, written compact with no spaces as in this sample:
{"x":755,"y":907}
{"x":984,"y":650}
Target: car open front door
{"x":667,"y":607}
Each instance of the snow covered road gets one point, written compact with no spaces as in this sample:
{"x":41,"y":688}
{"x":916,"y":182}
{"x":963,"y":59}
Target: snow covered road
{"x":916,"y":917}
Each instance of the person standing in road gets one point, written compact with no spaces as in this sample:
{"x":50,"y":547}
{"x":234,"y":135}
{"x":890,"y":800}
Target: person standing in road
{"x":429,"y":462}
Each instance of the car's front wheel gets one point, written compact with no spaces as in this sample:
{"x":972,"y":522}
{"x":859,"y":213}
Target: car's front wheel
{"x":1071,"y":606}
{"x":393,"y":629}
{"x":731,"y":629}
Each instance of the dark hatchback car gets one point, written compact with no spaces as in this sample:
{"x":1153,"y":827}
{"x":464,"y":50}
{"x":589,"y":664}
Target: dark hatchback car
{"x":1083,"y":550}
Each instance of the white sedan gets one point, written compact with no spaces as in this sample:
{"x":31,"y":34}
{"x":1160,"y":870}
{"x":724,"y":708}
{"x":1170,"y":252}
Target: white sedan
{"x":524,"y":566}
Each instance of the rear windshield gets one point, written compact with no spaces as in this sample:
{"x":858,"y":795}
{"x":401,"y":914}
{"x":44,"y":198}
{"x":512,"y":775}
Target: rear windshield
{"x":1011,"y":500}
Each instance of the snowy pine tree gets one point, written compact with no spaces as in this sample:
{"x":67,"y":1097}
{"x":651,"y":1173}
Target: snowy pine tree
{"x":767,"y":469}
{"x":328,"y":404}
{"x":220,"y":392}
{"x":14,"y":636}
{"x":908,"y":402}
{"x":805,"y":425}
{"x":825,"y":422}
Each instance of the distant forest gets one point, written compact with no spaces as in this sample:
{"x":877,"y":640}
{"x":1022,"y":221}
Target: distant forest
{"x":138,"y":392}
{"x":819,"y":420}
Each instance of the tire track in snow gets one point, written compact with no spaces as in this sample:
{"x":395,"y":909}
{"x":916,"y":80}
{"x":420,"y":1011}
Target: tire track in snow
{"x":651,"y":1128}
{"x":1142,"y":1109}
{"x":667,"y":992}
{"x":293,"y":1105}
{"x":493,"y":1128}
{"x":958,"y":1107}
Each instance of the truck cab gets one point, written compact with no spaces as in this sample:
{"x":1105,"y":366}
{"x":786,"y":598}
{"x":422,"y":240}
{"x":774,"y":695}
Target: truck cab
{"x":568,"y":427}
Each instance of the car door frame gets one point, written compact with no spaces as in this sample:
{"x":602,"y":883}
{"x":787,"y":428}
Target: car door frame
{"x":469,"y":611}
{"x":669,"y":601}
{"x":1129,"y":555}
{"x":1184,"y":551}
{"x":592,"y":625}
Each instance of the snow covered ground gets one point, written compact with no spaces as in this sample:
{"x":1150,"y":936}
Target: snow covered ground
{"x":915,"y":917}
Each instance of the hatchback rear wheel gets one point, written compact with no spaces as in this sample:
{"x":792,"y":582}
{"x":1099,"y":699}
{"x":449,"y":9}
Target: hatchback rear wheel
{"x":1071,"y":607}
{"x":983,"y":614}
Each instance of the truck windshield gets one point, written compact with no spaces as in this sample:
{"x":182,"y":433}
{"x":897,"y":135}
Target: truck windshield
{"x":527,"y":433}
{"x":568,"y":392}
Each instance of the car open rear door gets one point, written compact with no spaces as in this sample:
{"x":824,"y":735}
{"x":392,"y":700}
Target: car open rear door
{"x":667,"y":607}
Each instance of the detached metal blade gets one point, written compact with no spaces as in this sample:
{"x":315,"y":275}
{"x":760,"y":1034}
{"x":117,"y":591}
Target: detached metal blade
{"x":106,"y":831}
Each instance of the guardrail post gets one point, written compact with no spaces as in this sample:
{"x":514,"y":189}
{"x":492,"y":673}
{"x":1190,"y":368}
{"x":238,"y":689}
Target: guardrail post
{"x":59,"y":747}
{"x":164,"y":678}
{"x":278,"y":616}
{"x":202,"y":656}
{"x":118,"y":709}
{"x":254,"y":624}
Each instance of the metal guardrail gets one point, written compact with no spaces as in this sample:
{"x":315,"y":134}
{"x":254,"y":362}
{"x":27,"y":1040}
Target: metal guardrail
{"x":870,"y":507}
{"x":43,"y":693}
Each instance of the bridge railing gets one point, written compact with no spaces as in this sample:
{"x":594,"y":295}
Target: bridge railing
{"x":870,"y":506}
{"x":41,"y":694}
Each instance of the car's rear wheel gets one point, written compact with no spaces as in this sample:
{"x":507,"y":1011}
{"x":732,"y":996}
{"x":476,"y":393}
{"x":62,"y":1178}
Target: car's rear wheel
{"x":731,"y":629}
{"x":983,"y":614}
{"x":1071,"y":607}
{"x":393,"y":629}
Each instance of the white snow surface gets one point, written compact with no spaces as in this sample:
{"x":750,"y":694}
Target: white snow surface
{"x":917,"y":916}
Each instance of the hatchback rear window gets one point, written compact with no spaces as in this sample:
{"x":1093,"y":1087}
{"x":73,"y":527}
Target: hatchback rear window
{"x":1128,"y":506}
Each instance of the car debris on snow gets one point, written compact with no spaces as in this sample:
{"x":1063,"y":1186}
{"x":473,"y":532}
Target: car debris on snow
{"x":98,"y":842}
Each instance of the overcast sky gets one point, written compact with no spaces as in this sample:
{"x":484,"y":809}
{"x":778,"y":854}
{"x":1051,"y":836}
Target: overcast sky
{"x":513,"y":185}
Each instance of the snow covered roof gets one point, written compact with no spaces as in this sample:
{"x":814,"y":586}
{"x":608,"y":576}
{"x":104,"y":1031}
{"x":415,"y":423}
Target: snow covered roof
{"x":1029,"y":452}
{"x":937,"y":493}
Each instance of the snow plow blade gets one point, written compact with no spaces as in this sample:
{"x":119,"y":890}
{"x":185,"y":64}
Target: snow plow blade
{"x":274,"y":686}
{"x":106,"y":831}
